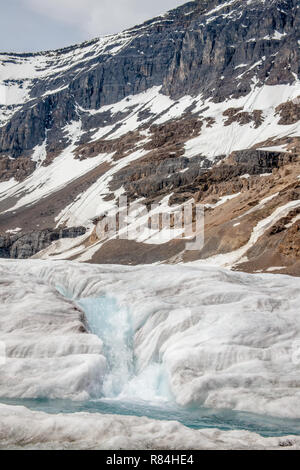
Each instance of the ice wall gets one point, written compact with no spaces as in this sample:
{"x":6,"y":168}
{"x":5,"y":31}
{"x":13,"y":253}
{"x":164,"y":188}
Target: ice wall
{"x":224,"y":339}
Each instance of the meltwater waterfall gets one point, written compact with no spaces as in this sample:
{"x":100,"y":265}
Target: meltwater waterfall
{"x":112,"y":324}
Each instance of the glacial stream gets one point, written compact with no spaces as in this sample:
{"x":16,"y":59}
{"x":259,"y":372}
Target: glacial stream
{"x":126,"y":392}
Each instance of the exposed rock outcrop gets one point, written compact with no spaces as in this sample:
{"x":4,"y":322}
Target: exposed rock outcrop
{"x":183,"y":107}
{"x":22,"y":246}
{"x":211,"y":47}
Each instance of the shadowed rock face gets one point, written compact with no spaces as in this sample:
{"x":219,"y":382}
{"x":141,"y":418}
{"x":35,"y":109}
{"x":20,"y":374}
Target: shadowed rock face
{"x":201,"y":47}
{"x":22,"y":246}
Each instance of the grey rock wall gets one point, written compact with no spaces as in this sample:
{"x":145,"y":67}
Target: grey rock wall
{"x":22,"y":246}
{"x":187,"y":52}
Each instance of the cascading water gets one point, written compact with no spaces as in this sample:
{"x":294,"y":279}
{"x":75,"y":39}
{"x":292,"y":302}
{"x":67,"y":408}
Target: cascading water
{"x":112,"y":324}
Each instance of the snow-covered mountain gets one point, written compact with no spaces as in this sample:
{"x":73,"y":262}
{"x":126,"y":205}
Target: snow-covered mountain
{"x":194,"y":112}
{"x":201,"y":103}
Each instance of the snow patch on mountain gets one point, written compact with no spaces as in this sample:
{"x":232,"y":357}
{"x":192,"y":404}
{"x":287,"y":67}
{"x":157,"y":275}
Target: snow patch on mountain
{"x":92,"y":201}
{"x":222,"y":140}
{"x":231,"y":259}
{"x":48,"y":179}
{"x":40,"y":154}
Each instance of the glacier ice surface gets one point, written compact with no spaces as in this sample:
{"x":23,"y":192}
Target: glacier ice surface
{"x":21,"y":428}
{"x":222,"y":339}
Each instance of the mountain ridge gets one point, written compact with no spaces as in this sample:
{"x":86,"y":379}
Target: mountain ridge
{"x":157,"y":113}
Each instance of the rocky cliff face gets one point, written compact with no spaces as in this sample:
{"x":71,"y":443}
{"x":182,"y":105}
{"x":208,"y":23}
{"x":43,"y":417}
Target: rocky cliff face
{"x":214,"y":48}
{"x":202,"y":102}
{"x":22,"y":246}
